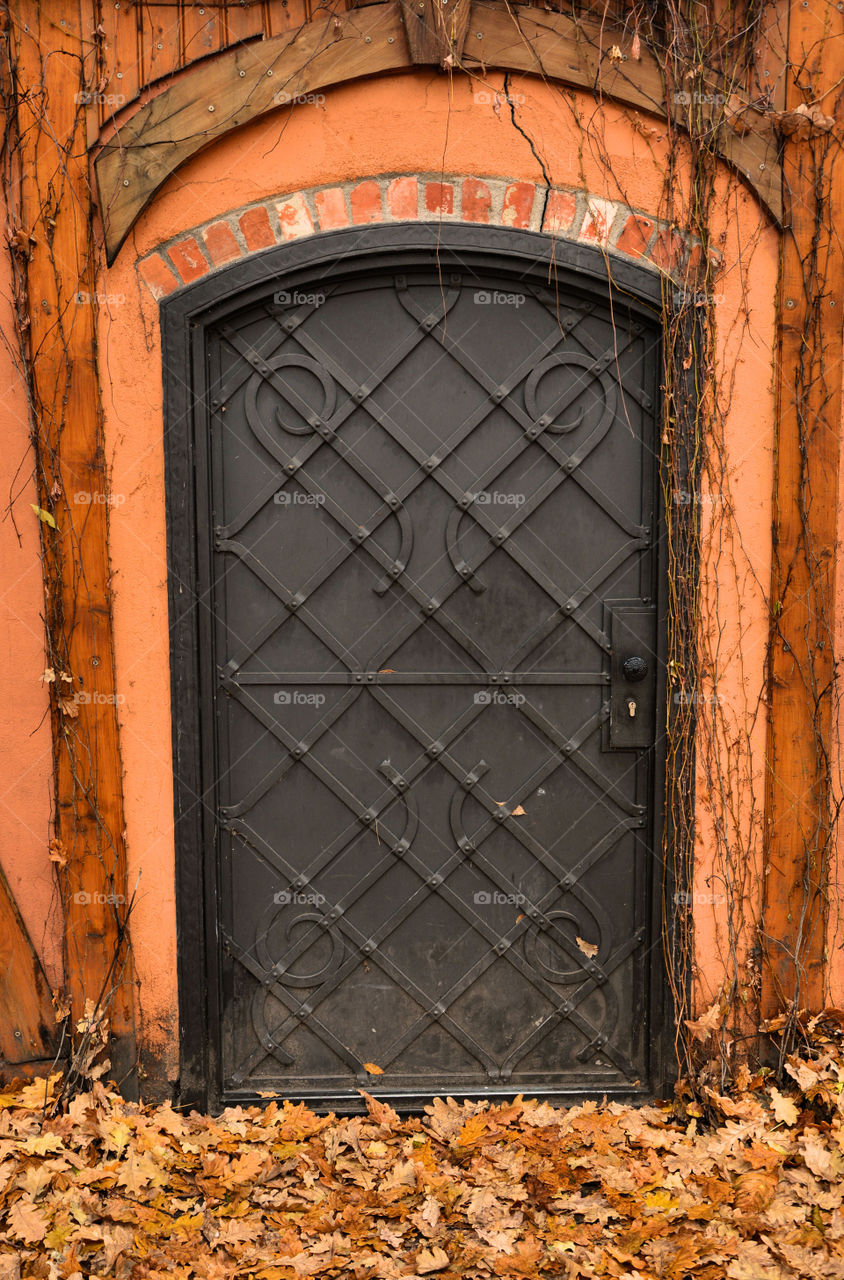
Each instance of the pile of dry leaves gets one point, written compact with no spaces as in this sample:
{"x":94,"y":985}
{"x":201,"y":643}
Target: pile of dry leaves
{"x":746,"y":1186}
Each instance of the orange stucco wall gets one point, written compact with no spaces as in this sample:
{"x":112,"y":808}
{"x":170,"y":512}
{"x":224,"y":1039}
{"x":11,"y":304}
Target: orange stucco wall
{"x":412,"y":123}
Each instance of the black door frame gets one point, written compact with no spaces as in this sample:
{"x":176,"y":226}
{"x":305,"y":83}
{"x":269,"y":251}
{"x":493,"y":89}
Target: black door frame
{"x":184,"y":318}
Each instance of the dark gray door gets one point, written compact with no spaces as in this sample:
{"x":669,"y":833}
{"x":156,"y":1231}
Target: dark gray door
{"x":433,"y":507}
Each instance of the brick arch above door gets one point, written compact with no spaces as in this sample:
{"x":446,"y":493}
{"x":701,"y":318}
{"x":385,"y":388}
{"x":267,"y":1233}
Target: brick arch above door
{"x":566,"y":213}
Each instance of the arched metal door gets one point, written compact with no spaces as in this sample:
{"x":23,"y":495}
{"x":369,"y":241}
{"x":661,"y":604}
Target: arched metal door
{"x":426,"y":533}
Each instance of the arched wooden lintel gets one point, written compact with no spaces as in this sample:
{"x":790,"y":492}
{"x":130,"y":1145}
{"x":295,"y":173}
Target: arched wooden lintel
{"x":236,"y":87}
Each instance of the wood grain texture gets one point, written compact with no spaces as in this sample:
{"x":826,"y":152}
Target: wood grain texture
{"x":241,"y":84}
{"x":28,"y":1025}
{"x":56,"y":210}
{"x":810,"y":306}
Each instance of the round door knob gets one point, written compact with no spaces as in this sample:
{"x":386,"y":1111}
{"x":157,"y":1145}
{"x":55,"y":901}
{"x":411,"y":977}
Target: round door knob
{"x":634,"y":669}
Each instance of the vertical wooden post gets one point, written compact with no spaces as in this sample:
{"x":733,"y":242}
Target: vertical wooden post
{"x":811,"y":306}
{"x":53,"y":62}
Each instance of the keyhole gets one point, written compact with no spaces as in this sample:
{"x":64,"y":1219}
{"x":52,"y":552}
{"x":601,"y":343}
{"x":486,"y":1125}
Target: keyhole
{"x":631,"y":707}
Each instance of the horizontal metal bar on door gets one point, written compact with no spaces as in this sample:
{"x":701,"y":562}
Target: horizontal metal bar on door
{"x":413,"y":677}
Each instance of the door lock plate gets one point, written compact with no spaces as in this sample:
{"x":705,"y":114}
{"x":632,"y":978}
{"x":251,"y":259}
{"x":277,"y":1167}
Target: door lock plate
{"x":633,"y":665}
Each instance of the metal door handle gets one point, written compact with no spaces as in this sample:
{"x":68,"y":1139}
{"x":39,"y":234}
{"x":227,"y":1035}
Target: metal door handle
{"x":634,"y":669}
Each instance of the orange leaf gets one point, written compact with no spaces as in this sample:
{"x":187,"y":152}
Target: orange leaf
{"x":373,"y":1069}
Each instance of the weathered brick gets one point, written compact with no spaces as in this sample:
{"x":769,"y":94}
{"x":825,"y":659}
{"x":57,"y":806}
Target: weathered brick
{"x":668,"y":249}
{"x":518,"y":203}
{"x":365,"y":200}
{"x":559,"y":212}
{"x":635,"y":235}
{"x":331,"y":209}
{"x":188,"y":259}
{"x":403,"y":198}
{"x":157,"y":276}
{"x":439,"y":197}
{"x":221,"y":243}
{"x":294,"y":217}
{"x":476,"y":200}
{"x":257,"y":232}
{"x":598,"y":221}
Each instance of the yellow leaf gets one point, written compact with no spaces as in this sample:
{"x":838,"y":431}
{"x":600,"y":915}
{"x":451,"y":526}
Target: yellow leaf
{"x":373,"y":1069}
{"x":783,"y":1107}
{"x":119,"y":1135}
{"x":588,"y":948}
{"x":43,"y":515}
{"x":660,"y":1199}
{"x":43,"y":1144}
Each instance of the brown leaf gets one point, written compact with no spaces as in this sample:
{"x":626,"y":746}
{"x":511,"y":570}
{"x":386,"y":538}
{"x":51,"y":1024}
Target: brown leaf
{"x":588,"y":948}
{"x":27,"y":1221}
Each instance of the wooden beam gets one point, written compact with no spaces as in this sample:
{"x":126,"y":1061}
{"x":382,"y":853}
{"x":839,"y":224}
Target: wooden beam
{"x":808,"y":432}
{"x":435,"y":33}
{"x":242,"y":84}
{"x":28,"y":1026}
{"x":52,"y":58}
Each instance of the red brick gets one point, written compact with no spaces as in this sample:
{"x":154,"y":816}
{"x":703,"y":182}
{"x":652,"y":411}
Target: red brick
{"x":518,"y":203}
{"x":365,"y":200}
{"x":220,"y":243}
{"x":403,"y":198}
{"x":331,"y":209}
{"x":188,"y":259}
{"x":294,"y":217}
{"x":477,"y":200}
{"x":257,"y":232}
{"x":439,"y":197}
{"x":635,"y":236}
{"x":559,"y":212}
{"x":157,"y":276}
{"x":668,"y":249}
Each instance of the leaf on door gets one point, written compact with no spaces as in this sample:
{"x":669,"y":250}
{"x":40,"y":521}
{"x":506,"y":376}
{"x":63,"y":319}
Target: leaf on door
{"x":373,"y":1069}
{"x":588,"y":948}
